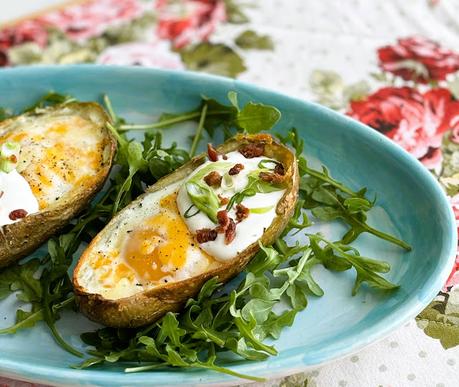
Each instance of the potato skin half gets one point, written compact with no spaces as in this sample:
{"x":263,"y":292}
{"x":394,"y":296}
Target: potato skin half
{"x":19,"y":239}
{"x":146,"y":307}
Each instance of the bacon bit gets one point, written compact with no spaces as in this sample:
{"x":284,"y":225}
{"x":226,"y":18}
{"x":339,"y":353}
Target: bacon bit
{"x":13,"y":159}
{"x":206,"y":235}
{"x":242,"y":212}
{"x":230,"y":232}
{"x":212,"y":153}
{"x":223,"y":221}
{"x":213,"y":179}
{"x":18,"y":214}
{"x":1,"y":193}
{"x":279,"y":169}
{"x":252,"y":150}
{"x":223,"y":200}
{"x":225,"y":157}
{"x":271,"y":177}
{"x":236,"y":169}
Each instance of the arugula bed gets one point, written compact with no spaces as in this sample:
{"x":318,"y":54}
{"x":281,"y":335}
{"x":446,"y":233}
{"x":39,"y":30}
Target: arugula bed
{"x":235,"y":318}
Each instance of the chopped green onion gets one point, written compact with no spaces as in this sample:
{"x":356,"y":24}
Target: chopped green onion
{"x":9,"y":156}
{"x":261,"y":210}
{"x":187,"y":215}
{"x":267,"y":164}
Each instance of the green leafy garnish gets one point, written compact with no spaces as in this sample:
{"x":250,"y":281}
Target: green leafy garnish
{"x":204,"y":198}
{"x":252,"y":118}
{"x":4,"y":113}
{"x":50,"y":99}
{"x":9,"y":156}
{"x":278,"y":281}
{"x":255,"y":185}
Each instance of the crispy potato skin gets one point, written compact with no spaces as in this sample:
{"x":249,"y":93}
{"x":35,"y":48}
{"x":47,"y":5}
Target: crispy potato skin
{"x":148,"y":306}
{"x":19,"y":239}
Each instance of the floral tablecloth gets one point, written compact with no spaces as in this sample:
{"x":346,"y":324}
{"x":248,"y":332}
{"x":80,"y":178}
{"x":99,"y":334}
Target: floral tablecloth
{"x":393,"y":65}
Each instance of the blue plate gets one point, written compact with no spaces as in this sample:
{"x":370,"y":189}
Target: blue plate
{"x":410,"y":204}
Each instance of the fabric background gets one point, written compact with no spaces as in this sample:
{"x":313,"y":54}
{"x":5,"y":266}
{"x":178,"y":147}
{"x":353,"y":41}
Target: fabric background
{"x":326,"y":51}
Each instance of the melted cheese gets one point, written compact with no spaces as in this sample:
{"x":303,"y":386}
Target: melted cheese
{"x":58,"y":153}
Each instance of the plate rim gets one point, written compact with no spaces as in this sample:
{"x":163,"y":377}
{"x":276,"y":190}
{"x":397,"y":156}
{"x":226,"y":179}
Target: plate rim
{"x":284,"y":365}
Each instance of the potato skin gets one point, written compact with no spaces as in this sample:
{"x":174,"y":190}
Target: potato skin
{"x":19,"y":239}
{"x":148,"y":306}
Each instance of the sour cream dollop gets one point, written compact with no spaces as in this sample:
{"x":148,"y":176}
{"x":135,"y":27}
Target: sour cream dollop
{"x":248,"y":231}
{"x":15,"y":195}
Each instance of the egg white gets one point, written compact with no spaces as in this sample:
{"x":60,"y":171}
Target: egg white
{"x":60,"y":150}
{"x":110,"y":243}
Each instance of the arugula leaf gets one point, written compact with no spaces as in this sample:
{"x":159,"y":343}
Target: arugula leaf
{"x":255,"y":185}
{"x":255,"y":117}
{"x":4,"y":113}
{"x":366,"y":268}
{"x":330,"y":199}
{"x":252,"y":118}
{"x":49,"y":99}
{"x":216,"y":320}
{"x":275,"y":323}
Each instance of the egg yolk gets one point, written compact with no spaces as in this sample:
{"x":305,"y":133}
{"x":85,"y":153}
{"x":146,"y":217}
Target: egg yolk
{"x":160,"y":247}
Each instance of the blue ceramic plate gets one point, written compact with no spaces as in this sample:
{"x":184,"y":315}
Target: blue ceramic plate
{"x":411,"y":205}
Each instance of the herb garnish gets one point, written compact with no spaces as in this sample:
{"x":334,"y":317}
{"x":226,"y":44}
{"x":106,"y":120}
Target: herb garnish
{"x":254,"y":186}
{"x":252,"y":118}
{"x":214,"y":322}
{"x":9,"y":156}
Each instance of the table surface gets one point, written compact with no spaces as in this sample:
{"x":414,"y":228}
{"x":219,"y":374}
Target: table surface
{"x":391,"y":64}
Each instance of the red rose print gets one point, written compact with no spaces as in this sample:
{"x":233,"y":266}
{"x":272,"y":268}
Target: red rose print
{"x":90,"y":19}
{"x":26,"y":31}
{"x":152,"y":54}
{"x":455,"y":134}
{"x":79,"y":22}
{"x":189,"y":21}
{"x":419,"y":59}
{"x":414,"y":120}
{"x":453,"y":278}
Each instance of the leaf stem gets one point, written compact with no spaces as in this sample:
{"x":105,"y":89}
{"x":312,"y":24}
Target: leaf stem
{"x":329,"y":180}
{"x":198,"y":134}
{"x":109,"y":106}
{"x":171,"y":121}
{"x":36,"y":316}
{"x":384,"y":236}
{"x":143,"y":368}
{"x":353,"y":219}
{"x":227,"y":371}
{"x":61,"y":341}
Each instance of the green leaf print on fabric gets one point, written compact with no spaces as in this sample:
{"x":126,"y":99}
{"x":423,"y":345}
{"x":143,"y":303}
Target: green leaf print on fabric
{"x":60,"y":49}
{"x":331,"y":91}
{"x":234,"y":12}
{"x":213,"y":58}
{"x":251,"y":40}
{"x":440,"y":320}
{"x":449,"y":176}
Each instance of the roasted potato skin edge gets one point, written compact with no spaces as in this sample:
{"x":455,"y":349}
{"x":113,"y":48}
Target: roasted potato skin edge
{"x":20,"y":239}
{"x":147,"y":307}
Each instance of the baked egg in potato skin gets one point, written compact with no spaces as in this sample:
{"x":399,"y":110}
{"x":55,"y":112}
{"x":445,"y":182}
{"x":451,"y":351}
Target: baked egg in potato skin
{"x":204,"y":220}
{"x":65,"y":153}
